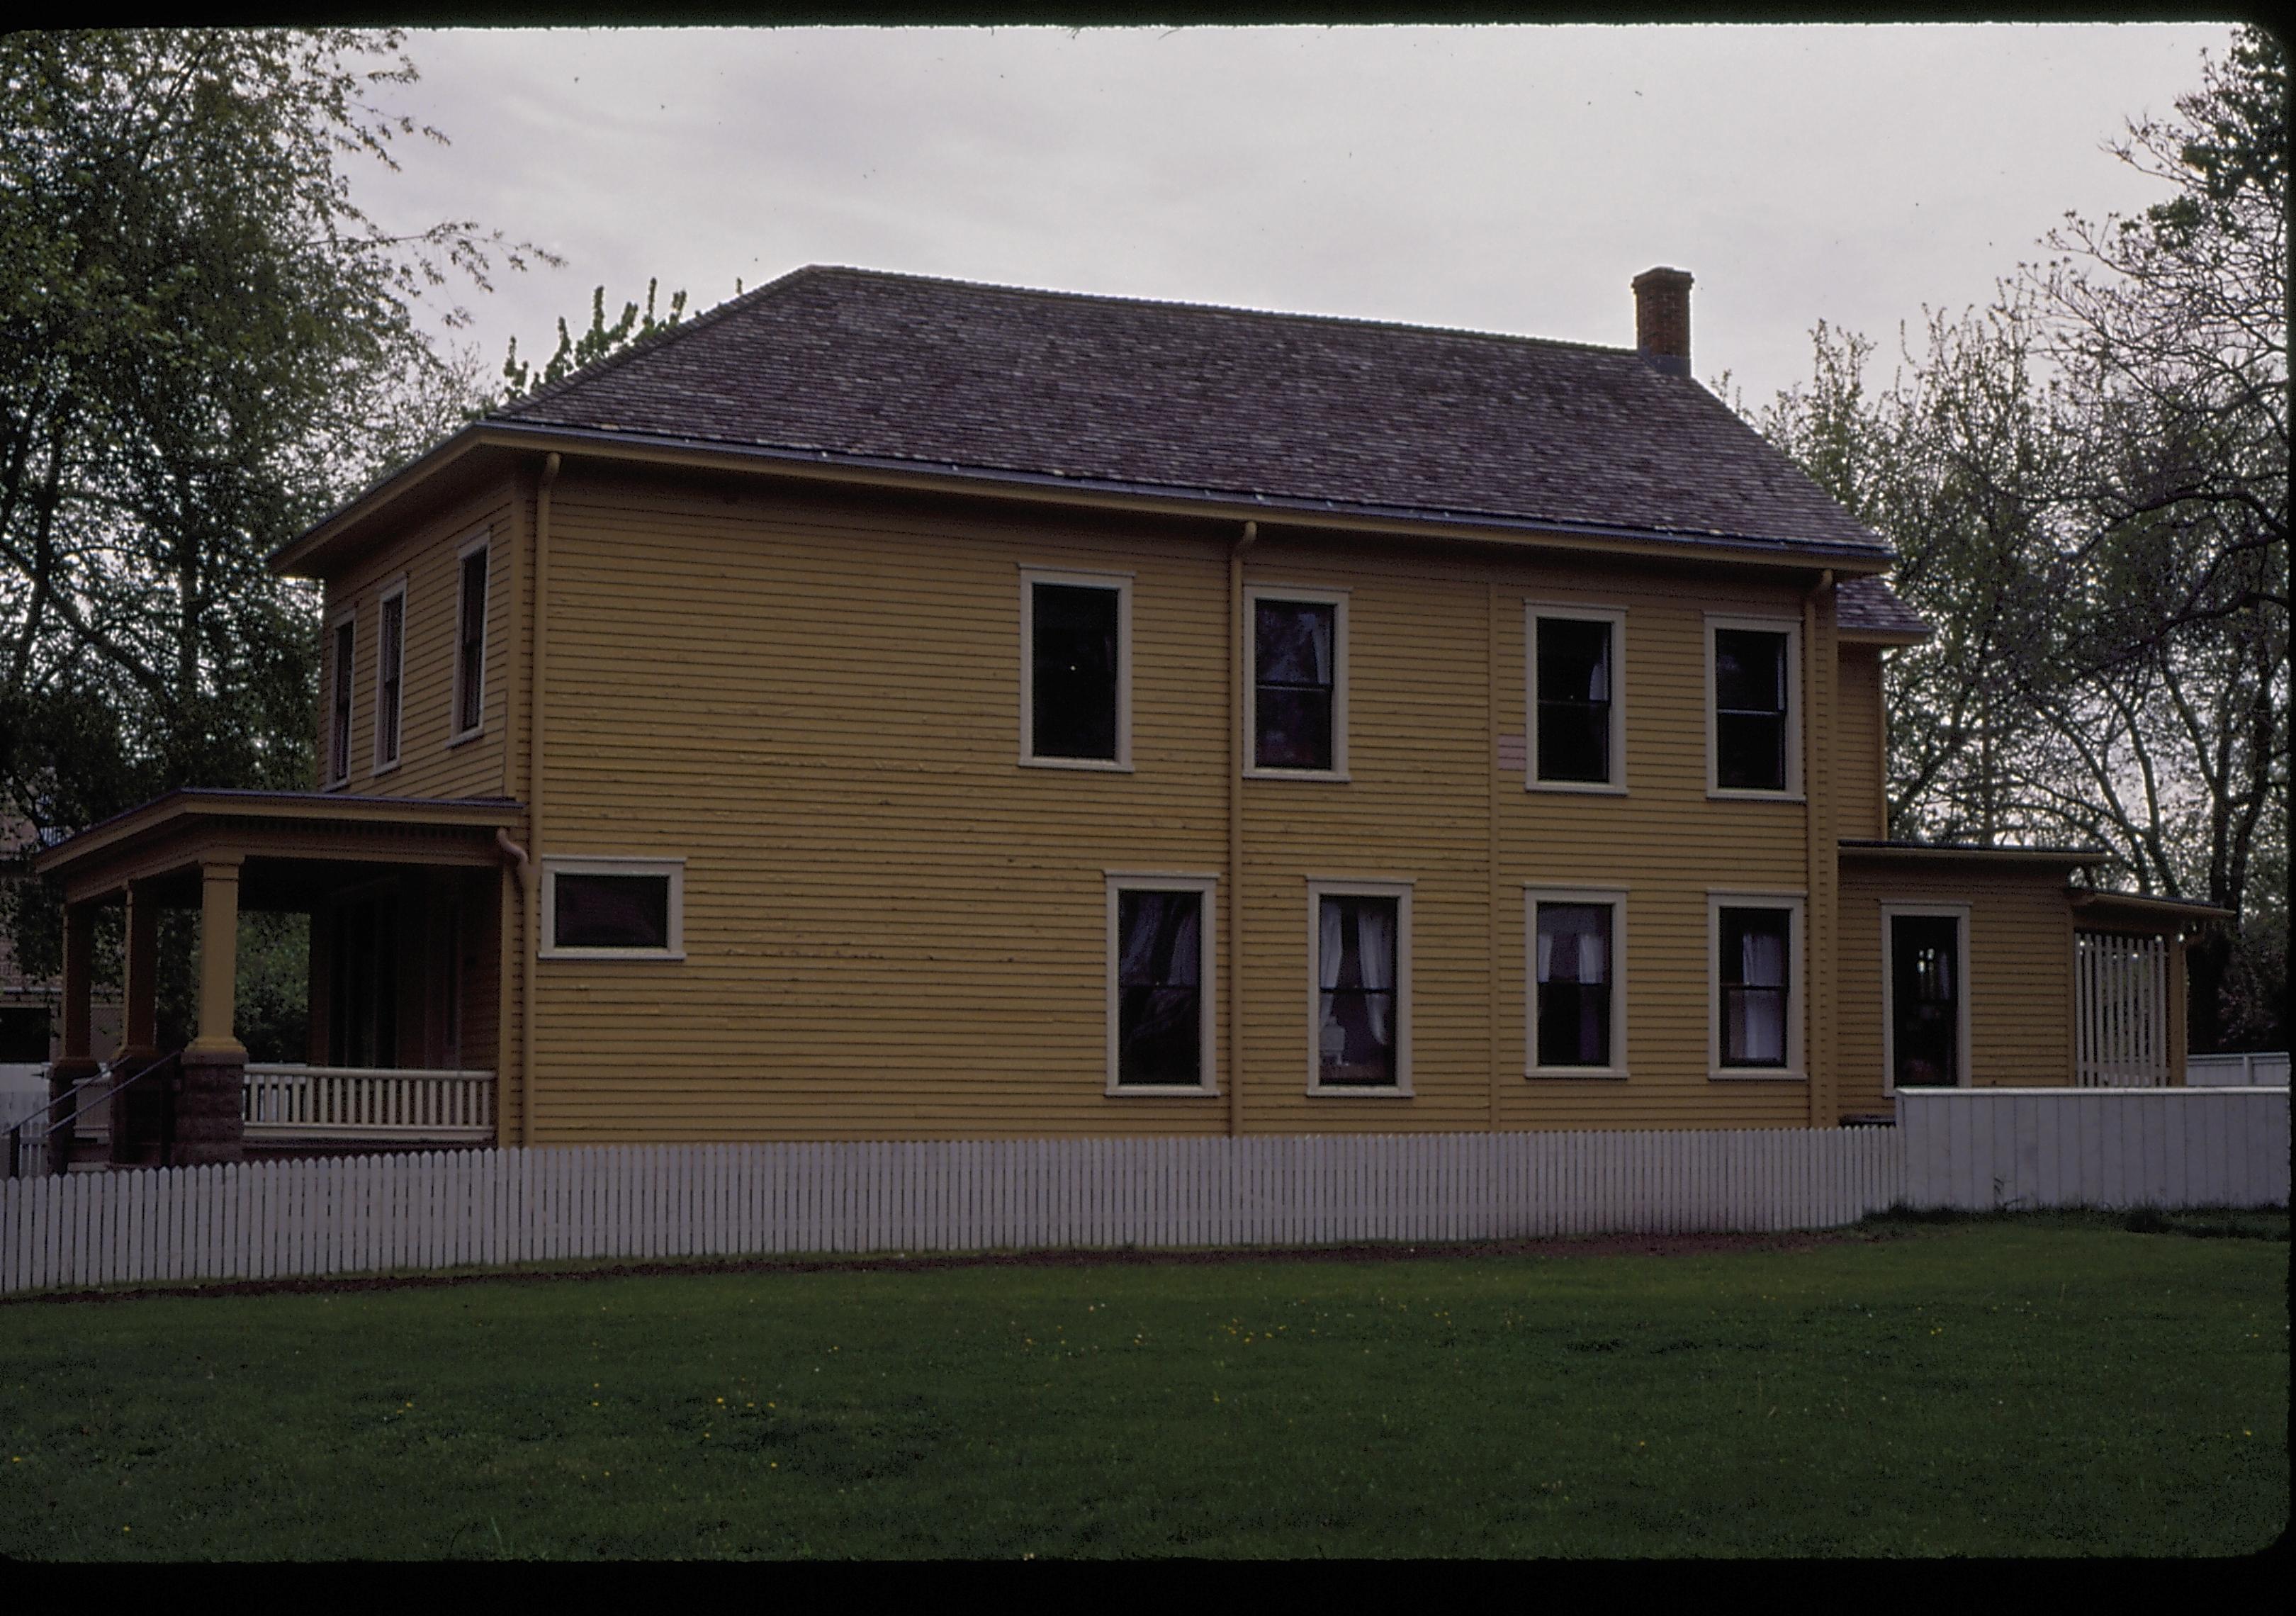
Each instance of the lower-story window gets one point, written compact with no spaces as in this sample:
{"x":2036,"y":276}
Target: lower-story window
{"x":1757,"y":977}
{"x":1159,"y":956}
{"x":1360,"y":947}
{"x":1577,"y":998}
{"x":613,"y":909}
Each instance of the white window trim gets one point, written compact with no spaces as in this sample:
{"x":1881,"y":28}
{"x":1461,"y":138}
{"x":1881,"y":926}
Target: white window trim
{"x":554,"y":866}
{"x":1207,"y":888}
{"x":337,"y":677}
{"x":1616,"y":617}
{"x":1319,"y":888}
{"x":455,"y":734}
{"x":1962,"y":1077}
{"x":396,"y":590}
{"x":1790,"y":628}
{"x":1307,"y":595}
{"x":1616,"y":898}
{"x":1120,"y":584}
{"x":1796,"y":902}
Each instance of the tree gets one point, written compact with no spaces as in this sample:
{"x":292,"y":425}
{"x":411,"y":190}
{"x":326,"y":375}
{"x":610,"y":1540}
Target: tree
{"x":204,"y":344}
{"x":2088,"y":488}
{"x":600,"y":341}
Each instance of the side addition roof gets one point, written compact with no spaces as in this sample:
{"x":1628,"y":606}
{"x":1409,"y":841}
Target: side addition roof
{"x":859,"y":364}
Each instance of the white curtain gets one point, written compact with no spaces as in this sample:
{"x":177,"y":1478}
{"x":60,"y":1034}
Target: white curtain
{"x":1583,"y":932}
{"x":1180,"y":970}
{"x":1375,"y":957}
{"x":1762,"y":964}
{"x":1319,"y":631}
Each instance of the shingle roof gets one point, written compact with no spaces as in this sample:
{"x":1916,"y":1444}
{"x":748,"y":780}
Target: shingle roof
{"x":1203,"y":400}
{"x":1870,"y":605}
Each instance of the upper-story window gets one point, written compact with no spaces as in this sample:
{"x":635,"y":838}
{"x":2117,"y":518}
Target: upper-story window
{"x":1076,"y":662}
{"x":1577,"y":711}
{"x":1298,"y":698}
{"x":470,"y":641}
{"x":343,"y":643}
{"x":390,"y":674}
{"x":1753,"y":743}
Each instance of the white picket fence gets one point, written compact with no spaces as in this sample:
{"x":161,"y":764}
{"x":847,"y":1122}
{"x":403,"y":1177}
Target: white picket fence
{"x":1973,"y":1148}
{"x":1999,"y":1148}
{"x":266,"y":1219}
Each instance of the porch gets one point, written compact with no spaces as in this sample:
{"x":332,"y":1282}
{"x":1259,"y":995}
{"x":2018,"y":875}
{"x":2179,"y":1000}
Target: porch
{"x":406,"y":901}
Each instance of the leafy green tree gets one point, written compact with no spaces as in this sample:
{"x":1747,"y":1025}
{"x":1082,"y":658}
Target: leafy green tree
{"x":204,"y":345}
{"x":2087,"y":484}
{"x":595,"y":344}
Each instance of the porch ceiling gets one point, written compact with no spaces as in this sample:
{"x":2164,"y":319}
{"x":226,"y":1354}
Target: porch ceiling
{"x":286,"y":842}
{"x":2133,"y":912}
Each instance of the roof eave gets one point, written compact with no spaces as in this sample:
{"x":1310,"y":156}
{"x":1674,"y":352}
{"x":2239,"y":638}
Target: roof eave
{"x":1886,"y":637}
{"x":190,"y":803}
{"x":1211,"y":503}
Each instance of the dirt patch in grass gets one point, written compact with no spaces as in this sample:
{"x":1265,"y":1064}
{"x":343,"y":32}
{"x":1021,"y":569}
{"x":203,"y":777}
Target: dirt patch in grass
{"x":1585,"y":1245}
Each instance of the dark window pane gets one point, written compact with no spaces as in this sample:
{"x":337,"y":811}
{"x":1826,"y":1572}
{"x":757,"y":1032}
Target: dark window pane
{"x":1574,"y":984}
{"x":391,"y":648}
{"x":611,"y":912}
{"x":1355,"y":966}
{"x":471,"y":667}
{"x":1074,"y":663}
{"x":1750,"y":751}
{"x":1295,"y":729}
{"x":1924,"y":989}
{"x":1160,"y":1005}
{"x":1574,"y":700}
{"x":340,"y":763}
{"x":1295,"y":670}
{"x":1750,"y":670}
{"x":1755,"y":974}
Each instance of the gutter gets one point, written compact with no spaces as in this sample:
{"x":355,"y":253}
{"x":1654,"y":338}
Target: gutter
{"x":1238,"y":664}
{"x":530,"y":881}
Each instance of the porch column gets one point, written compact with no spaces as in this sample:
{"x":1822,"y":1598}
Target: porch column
{"x":207,"y":1121}
{"x":74,"y":1064}
{"x":140,"y":1034}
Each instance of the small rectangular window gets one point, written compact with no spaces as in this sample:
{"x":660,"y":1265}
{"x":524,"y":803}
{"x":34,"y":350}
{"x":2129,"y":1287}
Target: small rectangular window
{"x":1160,"y":989}
{"x":1751,"y":696}
{"x":1578,"y":734}
{"x":1074,"y":672}
{"x":1573,"y":969}
{"x":1360,"y":950}
{"x":390,"y":655}
{"x":1756,"y":985}
{"x":1298,"y":683}
{"x":471,"y":644}
{"x":615,"y":908}
{"x":339,"y":737}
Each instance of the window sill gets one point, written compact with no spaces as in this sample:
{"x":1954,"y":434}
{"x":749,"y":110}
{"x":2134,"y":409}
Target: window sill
{"x":342,"y":784}
{"x":467,"y":735}
{"x":1364,"y":1090}
{"x":1722,"y":793}
{"x":1090,"y":766}
{"x":611,"y":954}
{"x":1752,"y":1074}
{"x":1576,"y":788}
{"x":392,"y":768}
{"x":1159,"y":1091}
{"x":1326,"y":776}
{"x":1576,"y":1074}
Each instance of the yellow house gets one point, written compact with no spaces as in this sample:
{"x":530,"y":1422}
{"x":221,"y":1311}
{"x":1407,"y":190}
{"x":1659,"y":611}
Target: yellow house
{"x":893,"y":708}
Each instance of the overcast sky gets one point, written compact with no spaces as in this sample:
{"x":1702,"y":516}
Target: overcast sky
{"x":1507,"y":179}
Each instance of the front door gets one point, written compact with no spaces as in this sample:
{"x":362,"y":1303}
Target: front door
{"x":1925,"y":1000}
{"x":363,"y":1017}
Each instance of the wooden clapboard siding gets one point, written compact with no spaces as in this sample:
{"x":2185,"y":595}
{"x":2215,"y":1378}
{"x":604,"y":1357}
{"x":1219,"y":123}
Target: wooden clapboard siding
{"x":892,"y":928}
{"x":2020,"y":973}
{"x":1860,"y":794}
{"x":426,"y":557}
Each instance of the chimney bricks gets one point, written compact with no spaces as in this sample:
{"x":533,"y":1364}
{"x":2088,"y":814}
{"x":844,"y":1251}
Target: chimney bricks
{"x":1662,"y":320}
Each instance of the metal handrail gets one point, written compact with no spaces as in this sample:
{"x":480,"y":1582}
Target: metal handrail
{"x":16,"y":1129}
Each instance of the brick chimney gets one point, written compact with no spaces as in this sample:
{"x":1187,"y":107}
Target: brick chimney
{"x":1662,"y":320}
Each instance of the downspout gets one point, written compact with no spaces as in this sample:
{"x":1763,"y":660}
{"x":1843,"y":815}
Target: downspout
{"x":529,"y":871}
{"x":1823,"y":858}
{"x":1239,"y":640}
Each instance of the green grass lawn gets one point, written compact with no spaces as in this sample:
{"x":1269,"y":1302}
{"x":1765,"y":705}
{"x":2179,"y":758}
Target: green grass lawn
{"x":2037,"y":1385}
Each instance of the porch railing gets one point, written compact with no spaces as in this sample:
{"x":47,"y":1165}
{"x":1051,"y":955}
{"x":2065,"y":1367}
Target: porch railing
{"x":308,"y":1104}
